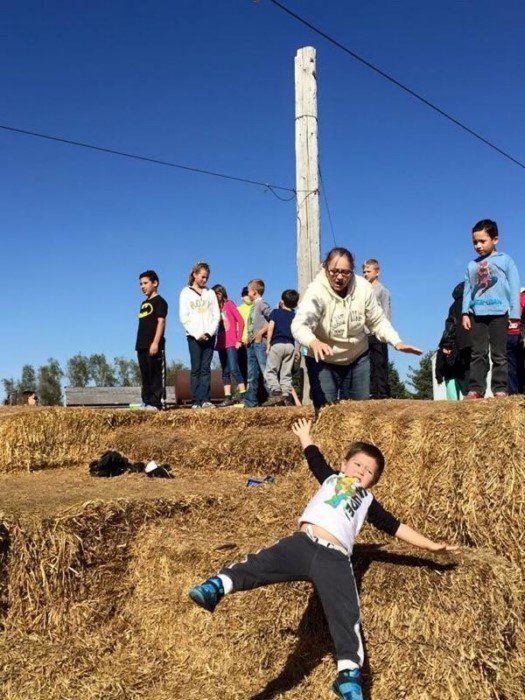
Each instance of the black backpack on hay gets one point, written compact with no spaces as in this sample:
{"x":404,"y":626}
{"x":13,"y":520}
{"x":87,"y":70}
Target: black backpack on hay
{"x":110,"y":464}
{"x":114,"y":464}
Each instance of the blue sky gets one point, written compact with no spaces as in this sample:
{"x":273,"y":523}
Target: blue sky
{"x":210,"y":85}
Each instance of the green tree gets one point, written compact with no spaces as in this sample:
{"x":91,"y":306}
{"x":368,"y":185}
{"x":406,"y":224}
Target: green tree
{"x":171,"y":371}
{"x":49,"y":386}
{"x":421,"y":377}
{"x":398,"y":389}
{"x":127,"y":372}
{"x":28,"y":379}
{"x":100,"y":371}
{"x":78,"y":370}
{"x":10,"y":386}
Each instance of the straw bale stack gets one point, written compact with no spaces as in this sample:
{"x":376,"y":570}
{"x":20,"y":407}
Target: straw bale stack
{"x":109,"y":615}
{"x":233,"y":439}
{"x":96,"y":603}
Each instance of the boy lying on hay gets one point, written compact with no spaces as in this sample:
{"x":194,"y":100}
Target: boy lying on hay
{"x":320,"y":551}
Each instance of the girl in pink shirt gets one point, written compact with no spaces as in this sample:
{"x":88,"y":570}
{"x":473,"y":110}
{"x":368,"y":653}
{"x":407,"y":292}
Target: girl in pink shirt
{"x":228,"y":342}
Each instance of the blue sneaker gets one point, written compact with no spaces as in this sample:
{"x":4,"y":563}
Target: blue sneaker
{"x":208,"y":594}
{"x":347,"y":685}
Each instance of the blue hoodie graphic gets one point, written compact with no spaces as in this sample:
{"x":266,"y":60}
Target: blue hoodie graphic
{"x":492,"y":286}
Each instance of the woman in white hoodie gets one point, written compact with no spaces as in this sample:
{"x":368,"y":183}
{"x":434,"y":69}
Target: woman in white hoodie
{"x":330,"y":322}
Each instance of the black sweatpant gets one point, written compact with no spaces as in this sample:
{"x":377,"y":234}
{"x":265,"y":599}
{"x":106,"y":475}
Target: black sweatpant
{"x":152,"y":371}
{"x":298,"y":558}
{"x":379,"y":388}
{"x":489,"y":332}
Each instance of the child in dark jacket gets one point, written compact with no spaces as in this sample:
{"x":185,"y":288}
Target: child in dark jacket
{"x":453,"y":356}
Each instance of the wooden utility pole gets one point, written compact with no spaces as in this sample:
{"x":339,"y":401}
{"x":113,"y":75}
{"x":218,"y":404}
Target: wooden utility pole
{"x":306,"y":176}
{"x":307,"y":167}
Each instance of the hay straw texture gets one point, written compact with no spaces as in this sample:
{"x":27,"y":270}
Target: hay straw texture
{"x":218,"y":440}
{"x":93,"y":596}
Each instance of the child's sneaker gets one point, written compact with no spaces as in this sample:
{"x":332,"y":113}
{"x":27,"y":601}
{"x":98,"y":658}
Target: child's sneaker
{"x":228,"y":401}
{"x":208,"y":594}
{"x":347,"y":685}
{"x":275,"y":399}
{"x":473,"y":395}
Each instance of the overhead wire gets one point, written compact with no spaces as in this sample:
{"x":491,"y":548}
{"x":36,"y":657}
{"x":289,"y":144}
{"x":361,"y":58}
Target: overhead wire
{"x":398,"y":84}
{"x":268,"y":186}
{"x":323,"y":190}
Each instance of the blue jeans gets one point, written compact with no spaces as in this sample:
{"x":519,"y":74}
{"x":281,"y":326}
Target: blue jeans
{"x":256,"y":367}
{"x":515,"y":364}
{"x":201,"y":354}
{"x":329,"y":382}
{"x":230,"y":365}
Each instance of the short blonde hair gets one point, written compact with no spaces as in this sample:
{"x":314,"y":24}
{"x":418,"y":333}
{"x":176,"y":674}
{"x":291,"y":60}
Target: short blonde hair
{"x":372,"y":262}
{"x":258,"y":285}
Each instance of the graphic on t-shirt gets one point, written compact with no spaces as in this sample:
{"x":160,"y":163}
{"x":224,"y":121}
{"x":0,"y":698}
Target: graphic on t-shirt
{"x":349,"y":492}
{"x":146,"y":309}
{"x":344,"y":487}
{"x":485,"y":280}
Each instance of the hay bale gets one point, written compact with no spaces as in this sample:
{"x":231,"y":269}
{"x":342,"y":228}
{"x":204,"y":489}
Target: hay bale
{"x":102,"y":588}
{"x":66,"y":571}
{"x":226,"y":439}
{"x":218,"y":440}
{"x":128,"y":629}
{"x":456,"y":467}
{"x":435,"y":625}
{"x":56,"y":437}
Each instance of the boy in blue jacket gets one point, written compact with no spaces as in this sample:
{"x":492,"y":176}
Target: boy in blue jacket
{"x":490,"y":301}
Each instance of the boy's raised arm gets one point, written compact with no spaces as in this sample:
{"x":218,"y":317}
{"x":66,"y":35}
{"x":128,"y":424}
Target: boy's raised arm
{"x":316,"y":462}
{"x":410,"y":536}
{"x":302,"y":428}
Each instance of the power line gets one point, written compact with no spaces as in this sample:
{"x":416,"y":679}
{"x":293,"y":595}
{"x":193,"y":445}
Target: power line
{"x":146,"y":159}
{"x":323,"y":190}
{"x":388,"y":77}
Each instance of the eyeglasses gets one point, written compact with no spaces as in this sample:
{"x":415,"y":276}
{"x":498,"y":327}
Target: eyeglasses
{"x":334,"y":272}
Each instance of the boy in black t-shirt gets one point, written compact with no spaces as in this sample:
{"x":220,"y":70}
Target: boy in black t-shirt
{"x":150,"y":341}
